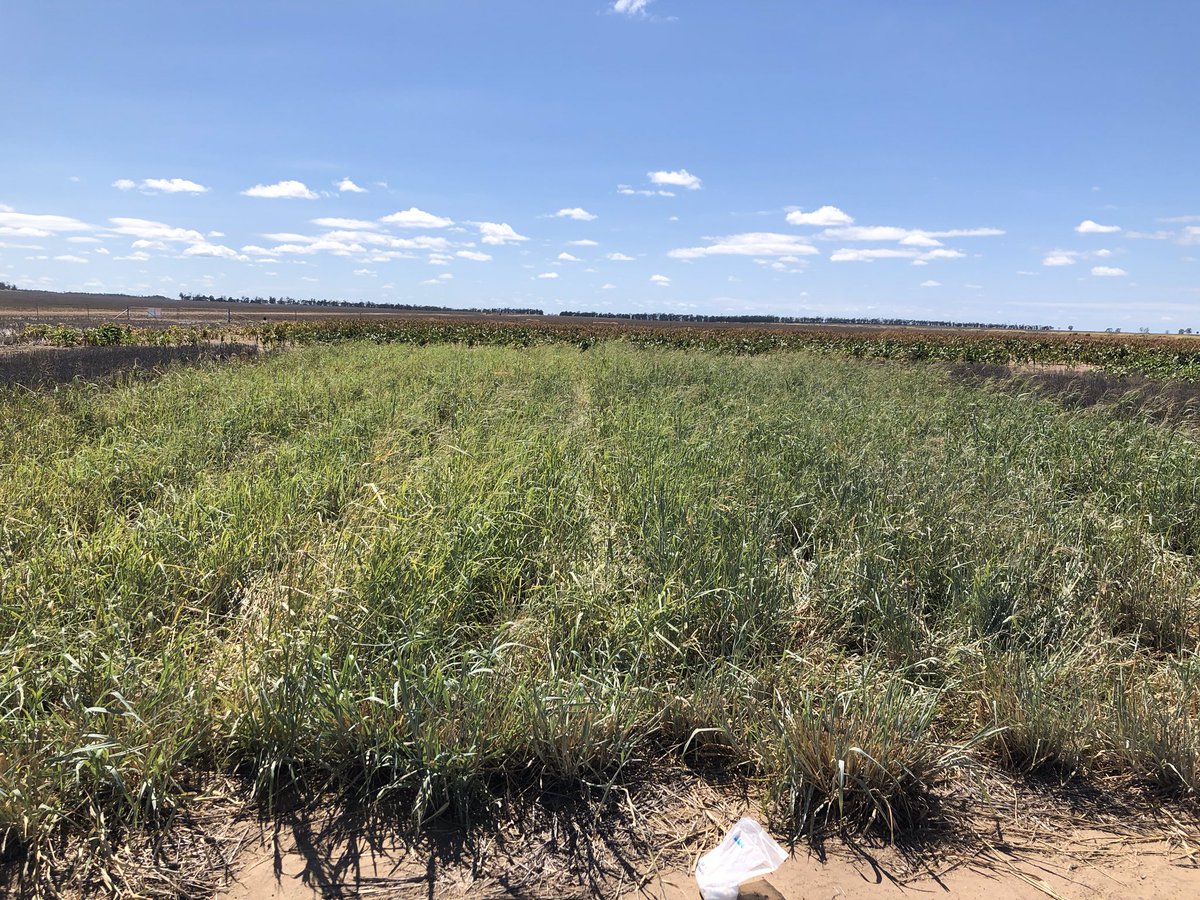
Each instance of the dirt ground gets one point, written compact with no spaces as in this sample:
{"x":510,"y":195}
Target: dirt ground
{"x":1076,"y":865}
{"x":1033,"y":844}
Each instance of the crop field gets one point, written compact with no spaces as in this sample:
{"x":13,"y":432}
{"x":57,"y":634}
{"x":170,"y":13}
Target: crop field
{"x":431,"y":576}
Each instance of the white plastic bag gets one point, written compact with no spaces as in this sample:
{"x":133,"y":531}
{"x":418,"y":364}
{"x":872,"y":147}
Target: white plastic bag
{"x":747,"y":852}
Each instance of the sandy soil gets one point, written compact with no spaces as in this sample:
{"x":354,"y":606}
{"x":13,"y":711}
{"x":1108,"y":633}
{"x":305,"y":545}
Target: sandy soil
{"x":1085,"y":865}
{"x":1031,"y":842}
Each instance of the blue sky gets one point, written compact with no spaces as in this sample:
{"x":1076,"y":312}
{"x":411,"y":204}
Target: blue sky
{"x":1023,"y":161}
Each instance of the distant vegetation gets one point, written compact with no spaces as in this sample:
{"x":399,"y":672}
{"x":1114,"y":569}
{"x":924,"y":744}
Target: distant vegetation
{"x":801,"y":320}
{"x":1155,"y":356}
{"x":355,"y":304}
{"x":6,"y":286}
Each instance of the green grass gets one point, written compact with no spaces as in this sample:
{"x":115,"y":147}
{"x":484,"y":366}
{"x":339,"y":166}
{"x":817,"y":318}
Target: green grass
{"x":433,"y":575}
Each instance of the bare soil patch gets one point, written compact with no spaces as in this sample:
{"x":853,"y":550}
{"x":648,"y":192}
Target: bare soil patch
{"x":645,"y":845}
{"x":36,"y":366}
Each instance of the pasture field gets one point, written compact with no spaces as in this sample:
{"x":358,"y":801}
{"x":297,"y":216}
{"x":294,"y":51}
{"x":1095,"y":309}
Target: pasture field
{"x":428,"y":578}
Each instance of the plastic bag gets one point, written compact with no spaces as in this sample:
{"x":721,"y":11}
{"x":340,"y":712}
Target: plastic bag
{"x":747,"y":852}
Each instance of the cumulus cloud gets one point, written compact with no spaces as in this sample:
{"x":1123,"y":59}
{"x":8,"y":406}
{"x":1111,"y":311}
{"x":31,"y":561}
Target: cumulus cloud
{"x":498,"y":233}
{"x":567,"y":257}
{"x":631,"y":7}
{"x":661,"y":280}
{"x":1087,"y":226}
{"x":576,"y":213}
{"x":71,"y":258}
{"x":908,"y":236}
{"x":931,"y":283}
{"x":346,"y":224}
{"x":474,"y":255}
{"x":281,"y":190}
{"x":639,"y":192}
{"x":825,"y":216}
{"x":756,"y":243}
{"x":416,"y":218}
{"x":157,"y":232}
{"x":1108,"y":272}
{"x":1070,"y":257}
{"x":681,"y":178}
{"x":346,"y":186}
{"x":173,"y":186}
{"x":847,"y":254}
{"x":548,"y":275}
{"x":215,"y":251}
{"x":583,"y":243}
{"x":608,"y":287}
{"x":15,"y":224}
{"x":619,"y":257}
{"x":124,"y":184}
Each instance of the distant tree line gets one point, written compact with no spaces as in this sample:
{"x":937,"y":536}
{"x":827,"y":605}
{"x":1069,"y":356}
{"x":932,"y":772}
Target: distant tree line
{"x":5,"y":286}
{"x":800,"y":320}
{"x":355,"y":304}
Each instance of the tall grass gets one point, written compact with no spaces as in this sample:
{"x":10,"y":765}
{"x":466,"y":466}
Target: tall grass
{"x":431,"y":575}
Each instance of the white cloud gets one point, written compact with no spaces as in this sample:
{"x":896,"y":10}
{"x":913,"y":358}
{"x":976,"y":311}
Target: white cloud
{"x":173,"y":186}
{"x":619,"y":257}
{"x":567,"y":257}
{"x":579,"y":215}
{"x":441,"y":279}
{"x":281,"y":190}
{"x":910,"y":236}
{"x":608,"y":287}
{"x":1190,"y":236}
{"x":67,"y":257}
{"x":156,"y":231}
{"x":682,"y":178}
{"x":630,"y":191}
{"x":548,"y":275}
{"x":346,"y":186}
{"x":1087,"y":226}
{"x":216,"y":251}
{"x":124,"y":184}
{"x":370,"y":273}
{"x":83,"y":240}
{"x":583,"y":243}
{"x":661,"y":280}
{"x":826,"y":215}
{"x":1108,"y":272}
{"x":346,"y":224}
{"x":498,"y":233}
{"x":1150,"y":235}
{"x":750,"y":244}
{"x":1059,"y":259}
{"x":869,"y":255}
{"x":931,"y":283}
{"x":416,"y":218}
{"x":631,"y":7}
{"x":15,"y":224}
{"x":474,"y":255}
{"x":139,"y":256}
